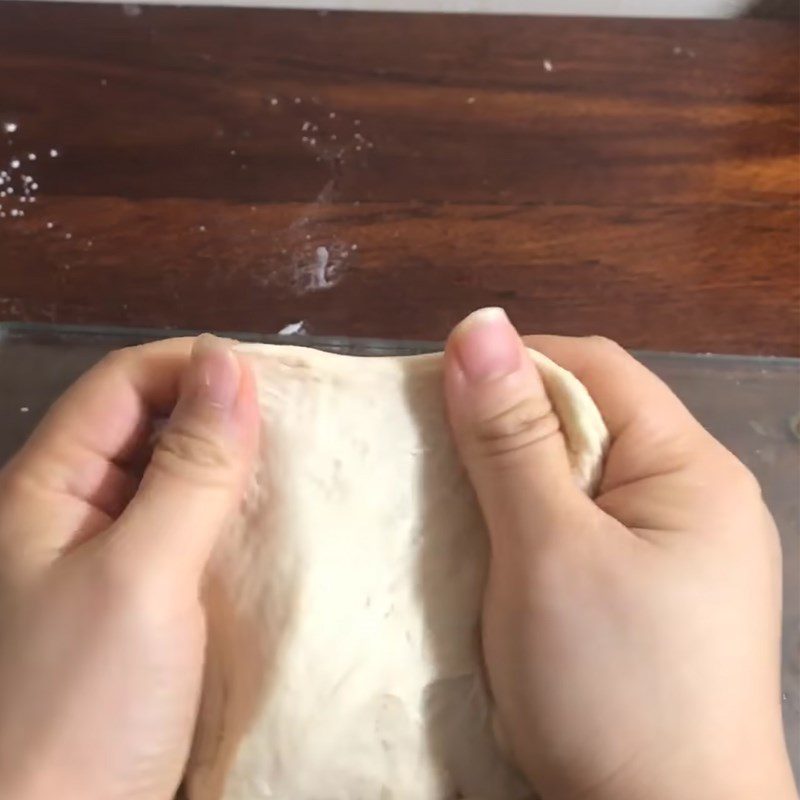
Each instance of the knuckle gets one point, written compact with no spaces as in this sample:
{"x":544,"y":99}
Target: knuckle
{"x":182,"y":448}
{"x":606,"y":346}
{"x":732,"y":476}
{"x":743,"y":482}
{"x":116,"y":359}
{"x":517,"y":428}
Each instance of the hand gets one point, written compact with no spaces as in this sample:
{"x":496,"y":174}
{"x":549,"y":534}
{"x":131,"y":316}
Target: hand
{"x":632,"y":642}
{"x":102,"y":633}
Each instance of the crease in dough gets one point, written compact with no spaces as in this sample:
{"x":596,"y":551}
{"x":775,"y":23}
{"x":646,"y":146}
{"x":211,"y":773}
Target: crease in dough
{"x":344,"y":658}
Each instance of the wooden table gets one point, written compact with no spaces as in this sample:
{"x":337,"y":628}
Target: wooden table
{"x":381,"y":175}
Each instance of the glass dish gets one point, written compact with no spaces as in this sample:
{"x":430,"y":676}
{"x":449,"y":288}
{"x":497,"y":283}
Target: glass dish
{"x":750,"y":404}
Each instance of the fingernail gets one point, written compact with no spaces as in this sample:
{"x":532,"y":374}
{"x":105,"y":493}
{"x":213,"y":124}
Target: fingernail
{"x":214,"y":374}
{"x":487,"y":345}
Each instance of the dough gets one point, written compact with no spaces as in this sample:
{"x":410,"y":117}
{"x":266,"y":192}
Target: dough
{"x":344,"y":605}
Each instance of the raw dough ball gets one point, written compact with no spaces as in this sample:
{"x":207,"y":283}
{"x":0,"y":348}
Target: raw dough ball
{"x":344,"y":656}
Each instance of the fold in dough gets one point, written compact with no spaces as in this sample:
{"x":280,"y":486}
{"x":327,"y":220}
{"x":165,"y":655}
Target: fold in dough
{"x":344,"y":657}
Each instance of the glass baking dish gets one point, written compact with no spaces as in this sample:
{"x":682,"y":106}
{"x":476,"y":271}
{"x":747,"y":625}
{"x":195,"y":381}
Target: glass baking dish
{"x":751,"y":404}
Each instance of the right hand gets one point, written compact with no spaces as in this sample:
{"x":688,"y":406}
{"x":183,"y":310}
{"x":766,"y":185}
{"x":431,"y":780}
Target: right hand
{"x":633,"y":641}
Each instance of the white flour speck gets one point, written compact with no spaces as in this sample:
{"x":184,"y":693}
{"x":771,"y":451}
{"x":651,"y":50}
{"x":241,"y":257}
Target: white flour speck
{"x":53,"y":152}
{"x":67,"y":235}
{"x":10,"y":127}
{"x":293,"y":328}
{"x":332,"y":115}
{"x":31,"y":156}
{"x":14,"y":163}
{"x":49,"y":226}
{"x":23,"y":409}
{"x":131,"y":10}
{"x":548,"y":65}
{"x":297,"y":101}
{"x":273,"y":101}
{"x":470,"y":100}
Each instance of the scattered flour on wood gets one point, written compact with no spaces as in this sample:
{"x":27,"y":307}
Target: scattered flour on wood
{"x":318,"y":267}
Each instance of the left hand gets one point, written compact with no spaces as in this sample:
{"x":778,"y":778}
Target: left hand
{"x":102,"y":633}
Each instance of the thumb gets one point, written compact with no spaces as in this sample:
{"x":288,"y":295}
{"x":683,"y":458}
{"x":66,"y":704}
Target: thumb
{"x":197,"y":474}
{"x":507,"y":432}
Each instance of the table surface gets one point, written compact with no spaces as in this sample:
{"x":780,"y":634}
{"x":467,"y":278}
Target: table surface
{"x":381,"y":175}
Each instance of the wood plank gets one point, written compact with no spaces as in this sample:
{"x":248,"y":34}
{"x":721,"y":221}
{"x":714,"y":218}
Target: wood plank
{"x":644,"y":276}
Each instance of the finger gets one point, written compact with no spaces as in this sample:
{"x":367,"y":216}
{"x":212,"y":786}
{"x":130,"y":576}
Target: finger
{"x":71,"y":477}
{"x":652,"y":431}
{"x":114,"y":491}
{"x":104,"y":417}
{"x":622,"y":387}
{"x":655,"y":480}
{"x":508,"y":435}
{"x":200,"y":464}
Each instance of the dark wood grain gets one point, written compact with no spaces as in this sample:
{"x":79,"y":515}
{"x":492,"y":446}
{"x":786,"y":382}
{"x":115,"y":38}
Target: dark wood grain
{"x":637,"y":179}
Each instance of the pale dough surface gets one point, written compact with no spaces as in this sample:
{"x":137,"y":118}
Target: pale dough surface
{"x":344,"y":606}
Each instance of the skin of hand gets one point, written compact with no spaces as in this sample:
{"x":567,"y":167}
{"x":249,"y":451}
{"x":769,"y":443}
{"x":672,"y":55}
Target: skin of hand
{"x":103,"y":546}
{"x":632,"y":641}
